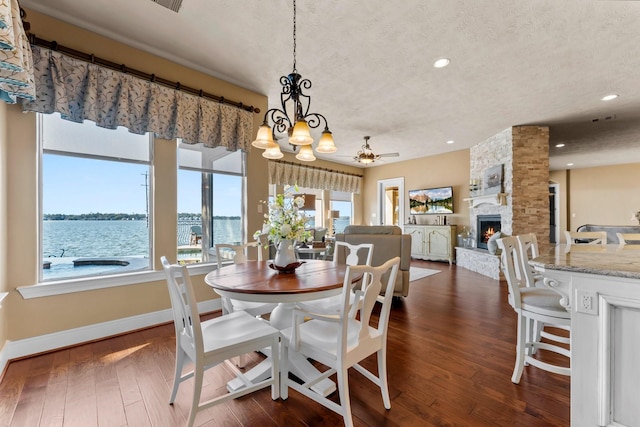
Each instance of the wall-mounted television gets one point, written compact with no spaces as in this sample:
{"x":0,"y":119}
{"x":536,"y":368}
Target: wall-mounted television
{"x":431,"y":201}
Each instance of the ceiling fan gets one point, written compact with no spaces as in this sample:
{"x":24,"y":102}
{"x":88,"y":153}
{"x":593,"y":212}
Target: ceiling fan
{"x":366,"y":155}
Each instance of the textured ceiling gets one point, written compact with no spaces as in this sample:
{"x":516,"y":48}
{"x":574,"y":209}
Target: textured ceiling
{"x":543,"y":62}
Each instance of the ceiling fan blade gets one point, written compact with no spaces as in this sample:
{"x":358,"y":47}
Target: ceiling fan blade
{"x":389,"y":155}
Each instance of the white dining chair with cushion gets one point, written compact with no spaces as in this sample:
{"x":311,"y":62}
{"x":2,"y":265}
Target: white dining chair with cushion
{"x":628,"y":238}
{"x":238,"y":254}
{"x":528,"y":244}
{"x":586,"y":237}
{"x":533,"y":305}
{"x":354,"y":255}
{"x":528,"y":249}
{"x":209,"y":343}
{"x":342,"y":341}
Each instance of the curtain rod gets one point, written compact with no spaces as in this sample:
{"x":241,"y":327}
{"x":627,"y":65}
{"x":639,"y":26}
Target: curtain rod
{"x":89,"y":57}
{"x":315,"y":167}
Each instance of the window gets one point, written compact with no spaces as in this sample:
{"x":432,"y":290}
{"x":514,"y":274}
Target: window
{"x":341,"y":202}
{"x":94,"y":196}
{"x":210,"y":200}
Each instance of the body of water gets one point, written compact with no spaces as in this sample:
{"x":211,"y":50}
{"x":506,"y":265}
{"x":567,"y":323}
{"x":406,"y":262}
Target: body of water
{"x":64,"y":241}
{"x":119,"y":238}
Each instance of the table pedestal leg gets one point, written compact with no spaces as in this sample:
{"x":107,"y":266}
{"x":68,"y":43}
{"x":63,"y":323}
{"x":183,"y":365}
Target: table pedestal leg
{"x":281,"y":319}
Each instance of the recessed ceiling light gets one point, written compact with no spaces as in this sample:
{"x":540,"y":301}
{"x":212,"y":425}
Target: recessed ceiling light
{"x":450,"y":141}
{"x":559,"y":145}
{"x":609,"y":97}
{"x":569,"y":164}
{"x":441,"y":63}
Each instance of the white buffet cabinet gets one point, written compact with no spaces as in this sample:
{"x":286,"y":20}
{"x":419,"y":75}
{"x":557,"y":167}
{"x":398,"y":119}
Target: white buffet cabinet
{"x":600,"y":287}
{"x":432,"y":242}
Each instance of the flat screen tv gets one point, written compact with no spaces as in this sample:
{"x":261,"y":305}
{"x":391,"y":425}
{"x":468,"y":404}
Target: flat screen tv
{"x":431,"y":201}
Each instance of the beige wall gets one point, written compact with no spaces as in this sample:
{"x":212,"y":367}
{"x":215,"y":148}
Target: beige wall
{"x":23,"y":318}
{"x":4,"y":180}
{"x":450,"y":169}
{"x":603,"y":195}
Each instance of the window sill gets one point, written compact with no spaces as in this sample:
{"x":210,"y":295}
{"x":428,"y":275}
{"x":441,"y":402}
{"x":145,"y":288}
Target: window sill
{"x":69,"y":286}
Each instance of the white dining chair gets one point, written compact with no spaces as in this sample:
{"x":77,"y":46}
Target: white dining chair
{"x":342,"y":341}
{"x":528,"y":244}
{"x":354,"y":255}
{"x":628,"y":238}
{"x":209,"y":343}
{"x":528,"y":249}
{"x":536,"y":308}
{"x":586,"y":237}
{"x":238,"y":254}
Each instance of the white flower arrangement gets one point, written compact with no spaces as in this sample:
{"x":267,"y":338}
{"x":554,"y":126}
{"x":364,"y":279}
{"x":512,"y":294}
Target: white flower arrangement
{"x":284,"y":221}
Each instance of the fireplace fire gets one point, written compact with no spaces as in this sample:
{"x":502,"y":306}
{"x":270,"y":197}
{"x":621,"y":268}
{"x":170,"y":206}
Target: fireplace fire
{"x":486,"y":226}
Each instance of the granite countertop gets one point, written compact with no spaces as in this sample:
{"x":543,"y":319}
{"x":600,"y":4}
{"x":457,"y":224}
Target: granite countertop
{"x":609,"y":260}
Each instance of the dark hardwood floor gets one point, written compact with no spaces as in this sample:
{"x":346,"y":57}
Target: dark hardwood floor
{"x":450,"y":357}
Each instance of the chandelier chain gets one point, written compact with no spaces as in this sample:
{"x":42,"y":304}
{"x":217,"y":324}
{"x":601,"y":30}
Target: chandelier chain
{"x":294,"y":36}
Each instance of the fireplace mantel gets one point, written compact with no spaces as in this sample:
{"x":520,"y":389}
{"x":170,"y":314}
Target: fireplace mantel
{"x":499,"y":199}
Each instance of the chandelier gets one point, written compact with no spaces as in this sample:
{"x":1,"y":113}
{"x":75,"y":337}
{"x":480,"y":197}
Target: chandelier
{"x":295,"y":101}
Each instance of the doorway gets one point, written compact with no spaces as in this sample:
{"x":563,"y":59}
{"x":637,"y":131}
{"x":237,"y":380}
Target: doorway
{"x":391,"y":201}
{"x":554,"y":213}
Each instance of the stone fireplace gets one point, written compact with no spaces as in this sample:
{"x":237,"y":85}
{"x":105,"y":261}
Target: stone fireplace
{"x":522,"y":206}
{"x":486,"y":226}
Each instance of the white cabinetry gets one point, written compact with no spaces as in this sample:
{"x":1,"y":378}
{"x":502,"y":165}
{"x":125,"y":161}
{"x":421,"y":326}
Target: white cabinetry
{"x":432,"y":242}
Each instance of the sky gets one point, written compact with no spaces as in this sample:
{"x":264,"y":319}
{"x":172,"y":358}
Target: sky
{"x":79,"y":185}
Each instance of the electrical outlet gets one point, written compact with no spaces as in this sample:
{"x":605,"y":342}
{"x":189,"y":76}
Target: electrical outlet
{"x":586,"y":302}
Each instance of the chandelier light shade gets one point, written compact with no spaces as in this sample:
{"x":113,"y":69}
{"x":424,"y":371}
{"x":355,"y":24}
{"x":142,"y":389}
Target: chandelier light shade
{"x":294,"y":101}
{"x":273,"y":152}
{"x":326,"y":144}
{"x":264,"y":138}
{"x":301,"y":134}
{"x":306,"y":154}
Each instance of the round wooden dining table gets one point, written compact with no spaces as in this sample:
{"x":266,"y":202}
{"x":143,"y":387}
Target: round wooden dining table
{"x":256,"y":281}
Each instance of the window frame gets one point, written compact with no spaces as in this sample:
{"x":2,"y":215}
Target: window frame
{"x":85,"y":283}
{"x":207,"y":177}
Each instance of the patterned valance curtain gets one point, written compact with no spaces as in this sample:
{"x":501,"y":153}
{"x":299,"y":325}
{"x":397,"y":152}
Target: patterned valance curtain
{"x":80,"y":90}
{"x":284,"y":173}
{"x":16,"y":65}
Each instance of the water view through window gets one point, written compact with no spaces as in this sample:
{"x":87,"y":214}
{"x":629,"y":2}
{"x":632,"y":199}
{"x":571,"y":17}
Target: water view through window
{"x":95,"y":199}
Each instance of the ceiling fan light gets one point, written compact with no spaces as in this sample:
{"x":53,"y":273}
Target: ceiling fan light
{"x":306,"y":154}
{"x":273,"y":152}
{"x":264,"y":138}
{"x":326,"y":144}
{"x":301,"y":134}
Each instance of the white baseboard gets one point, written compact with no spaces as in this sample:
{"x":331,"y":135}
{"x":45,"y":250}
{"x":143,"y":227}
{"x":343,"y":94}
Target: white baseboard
{"x":43,"y":343}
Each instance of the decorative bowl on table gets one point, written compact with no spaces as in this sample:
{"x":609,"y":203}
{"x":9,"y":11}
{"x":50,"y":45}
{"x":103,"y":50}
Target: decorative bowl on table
{"x":290,"y":268}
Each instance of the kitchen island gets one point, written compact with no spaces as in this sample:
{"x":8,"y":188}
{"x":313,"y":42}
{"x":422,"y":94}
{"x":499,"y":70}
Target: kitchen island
{"x":600,"y":286}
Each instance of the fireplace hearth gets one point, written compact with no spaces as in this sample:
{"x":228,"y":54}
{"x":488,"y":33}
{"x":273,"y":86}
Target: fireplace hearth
{"x":486,"y":226}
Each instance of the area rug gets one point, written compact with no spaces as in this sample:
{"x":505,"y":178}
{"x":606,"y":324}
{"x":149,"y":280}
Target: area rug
{"x":416,"y":273}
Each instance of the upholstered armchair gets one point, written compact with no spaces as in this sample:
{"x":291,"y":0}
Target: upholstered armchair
{"x":388,"y":242}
